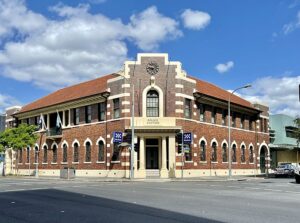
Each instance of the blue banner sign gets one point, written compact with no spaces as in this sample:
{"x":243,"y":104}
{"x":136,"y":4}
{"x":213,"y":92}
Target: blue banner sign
{"x":118,"y":137}
{"x":187,"y":137}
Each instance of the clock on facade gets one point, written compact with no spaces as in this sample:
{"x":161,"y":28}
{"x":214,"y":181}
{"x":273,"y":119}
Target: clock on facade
{"x":152,"y":68}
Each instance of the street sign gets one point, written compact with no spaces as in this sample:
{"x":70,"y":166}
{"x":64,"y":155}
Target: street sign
{"x":118,"y":137}
{"x":187,"y":137}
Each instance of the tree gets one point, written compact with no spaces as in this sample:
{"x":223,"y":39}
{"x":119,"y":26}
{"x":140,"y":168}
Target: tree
{"x":18,"y":138}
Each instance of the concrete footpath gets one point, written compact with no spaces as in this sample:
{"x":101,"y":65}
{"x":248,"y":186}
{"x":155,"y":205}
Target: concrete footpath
{"x":108,"y":179}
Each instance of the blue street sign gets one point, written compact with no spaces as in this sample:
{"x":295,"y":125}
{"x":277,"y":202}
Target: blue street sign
{"x":118,"y":137}
{"x":187,"y":137}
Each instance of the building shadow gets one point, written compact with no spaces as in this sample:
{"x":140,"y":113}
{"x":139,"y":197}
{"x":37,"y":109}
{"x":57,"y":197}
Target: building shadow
{"x":52,"y":205}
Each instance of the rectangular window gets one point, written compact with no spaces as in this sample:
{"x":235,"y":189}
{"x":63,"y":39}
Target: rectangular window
{"x":213,"y":115}
{"x":188,"y":152}
{"x":28,"y":155}
{"x":224,"y":114}
{"x":250,"y":124}
{"x":242,"y":124}
{"x":233,"y":120}
{"x":88,"y":114}
{"x":187,"y":108}
{"x":76,"y":116}
{"x":21,"y":156}
{"x":101,"y":111}
{"x":66,"y":117}
{"x":46,"y":120}
{"x":202,"y":112}
{"x":116,"y":108}
{"x":265,"y":125}
{"x":261,"y":124}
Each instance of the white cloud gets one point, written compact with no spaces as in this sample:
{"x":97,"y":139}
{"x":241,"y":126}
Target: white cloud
{"x":222,"y":68}
{"x":7,"y":101}
{"x":193,"y":19}
{"x":150,"y":28}
{"x":281,"y":94}
{"x":290,"y":27}
{"x":76,"y":47}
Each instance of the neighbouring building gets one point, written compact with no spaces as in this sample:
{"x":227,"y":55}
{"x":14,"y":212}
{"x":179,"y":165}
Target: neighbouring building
{"x":283,"y":143}
{"x":2,"y":122}
{"x":10,"y":155}
{"x":167,"y":101}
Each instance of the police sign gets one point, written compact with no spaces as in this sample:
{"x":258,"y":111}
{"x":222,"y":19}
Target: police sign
{"x":187,"y":137}
{"x":118,"y":137}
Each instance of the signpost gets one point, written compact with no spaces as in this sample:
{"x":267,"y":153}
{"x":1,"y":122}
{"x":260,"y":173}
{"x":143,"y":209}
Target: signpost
{"x":118,"y":137}
{"x":187,"y":137}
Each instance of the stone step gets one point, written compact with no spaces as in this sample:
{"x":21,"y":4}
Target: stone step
{"x":152,"y":173}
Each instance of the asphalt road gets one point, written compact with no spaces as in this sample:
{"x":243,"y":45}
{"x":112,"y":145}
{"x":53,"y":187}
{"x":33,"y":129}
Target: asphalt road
{"x":49,"y":200}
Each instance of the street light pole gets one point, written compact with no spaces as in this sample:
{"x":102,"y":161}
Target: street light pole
{"x":229,"y":129}
{"x":132,"y":137}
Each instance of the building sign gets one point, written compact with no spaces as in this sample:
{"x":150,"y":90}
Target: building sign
{"x":152,"y":121}
{"x":118,"y":137}
{"x":187,"y":137}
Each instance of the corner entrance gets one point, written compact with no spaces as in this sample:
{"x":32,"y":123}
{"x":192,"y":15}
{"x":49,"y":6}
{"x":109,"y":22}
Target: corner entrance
{"x":152,"y":154}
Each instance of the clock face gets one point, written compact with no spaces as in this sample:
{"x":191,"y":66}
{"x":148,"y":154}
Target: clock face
{"x":152,"y":68}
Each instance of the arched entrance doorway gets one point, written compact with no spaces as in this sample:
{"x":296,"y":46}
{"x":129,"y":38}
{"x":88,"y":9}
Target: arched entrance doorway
{"x":262,"y":159}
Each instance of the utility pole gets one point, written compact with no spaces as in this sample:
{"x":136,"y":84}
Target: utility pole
{"x":132,"y":137}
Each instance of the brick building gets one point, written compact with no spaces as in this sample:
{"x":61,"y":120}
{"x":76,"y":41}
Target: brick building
{"x":167,"y":101}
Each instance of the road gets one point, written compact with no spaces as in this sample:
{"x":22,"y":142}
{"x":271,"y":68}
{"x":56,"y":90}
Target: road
{"x":50,"y":200}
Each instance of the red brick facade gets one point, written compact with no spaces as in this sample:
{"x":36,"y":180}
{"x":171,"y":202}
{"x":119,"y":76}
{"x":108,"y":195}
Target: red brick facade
{"x":175,"y":89}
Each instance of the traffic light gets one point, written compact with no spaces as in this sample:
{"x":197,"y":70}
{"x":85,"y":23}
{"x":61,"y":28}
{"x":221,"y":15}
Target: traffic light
{"x":179,"y":142}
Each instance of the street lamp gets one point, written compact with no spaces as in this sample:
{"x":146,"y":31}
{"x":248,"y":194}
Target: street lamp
{"x":229,"y":129}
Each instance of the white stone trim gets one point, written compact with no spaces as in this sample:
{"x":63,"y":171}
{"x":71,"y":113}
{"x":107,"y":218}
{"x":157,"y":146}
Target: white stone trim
{"x":125,"y":102}
{"x":125,"y":111}
{"x":234,"y":143}
{"x":63,"y":143}
{"x":160,"y":98}
{"x":178,"y":111}
{"x":250,"y":146}
{"x":202,"y":139}
{"x":178,"y":102}
{"x":119,"y":96}
{"x":243,"y":144}
{"x":100,"y":139}
{"x":263,"y":116}
{"x":87,"y":140}
{"x":224,"y":141}
{"x":115,"y":79}
{"x":125,"y":85}
{"x":44,"y":144}
{"x":54,"y":144}
{"x":261,"y":145}
{"x":184,"y":96}
{"x":214,"y":140}
{"x":178,"y":85}
{"x":75,"y":141}
{"x":36,"y":145}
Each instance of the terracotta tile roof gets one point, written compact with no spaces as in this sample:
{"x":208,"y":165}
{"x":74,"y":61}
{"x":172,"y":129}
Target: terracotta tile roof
{"x":209,"y":89}
{"x":81,"y":90}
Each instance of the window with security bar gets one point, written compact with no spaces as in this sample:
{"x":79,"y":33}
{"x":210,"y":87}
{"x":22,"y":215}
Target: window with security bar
{"x":152,"y":104}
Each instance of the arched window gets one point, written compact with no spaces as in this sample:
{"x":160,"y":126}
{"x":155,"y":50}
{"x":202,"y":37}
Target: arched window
{"x":214,"y":152}
{"x":75,"y":157}
{"x":36,"y":151}
{"x":243,"y":158}
{"x":251,"y":155}
{"x":54,"y":150}
{"x":202,"y":151}
{"x":152,"y":104}
{"x":88,"y":152}
{"x":234,"y":153}
{"x":224,"y":152}
{"x":21,"y":156}
{"x":65,"y":153}
{"x":45,"y":157}
{"x":101,"y":151}
{"x":28,"y":155}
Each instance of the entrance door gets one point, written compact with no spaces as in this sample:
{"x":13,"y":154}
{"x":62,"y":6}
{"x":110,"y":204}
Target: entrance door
{"x":152,"y":158}
{"x":262,"y":160}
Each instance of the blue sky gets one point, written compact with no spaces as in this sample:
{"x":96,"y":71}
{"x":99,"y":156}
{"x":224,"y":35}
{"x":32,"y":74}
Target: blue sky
{"x":46,"y":45}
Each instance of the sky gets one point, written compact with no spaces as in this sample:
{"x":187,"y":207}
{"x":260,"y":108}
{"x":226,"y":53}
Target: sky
{"x":47,"y":45}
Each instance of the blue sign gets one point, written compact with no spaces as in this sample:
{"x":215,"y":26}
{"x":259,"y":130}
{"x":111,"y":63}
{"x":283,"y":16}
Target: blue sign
{"x":118,"y":137}
{"x":187,"y":137}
